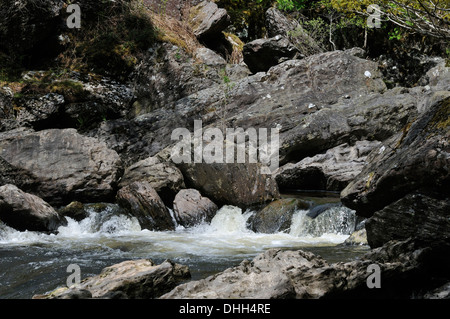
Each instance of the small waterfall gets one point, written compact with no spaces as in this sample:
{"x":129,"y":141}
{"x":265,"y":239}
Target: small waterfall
{"x":334,"y":220}
{"x":106,"y":222}
{"x":229,"y":219}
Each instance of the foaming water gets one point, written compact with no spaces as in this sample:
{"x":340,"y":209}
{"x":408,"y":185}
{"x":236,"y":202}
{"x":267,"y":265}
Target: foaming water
{"x":105,"y":238}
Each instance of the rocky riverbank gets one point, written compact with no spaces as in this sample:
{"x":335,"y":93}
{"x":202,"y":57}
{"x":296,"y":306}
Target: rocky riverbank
{"x":89,"y":138}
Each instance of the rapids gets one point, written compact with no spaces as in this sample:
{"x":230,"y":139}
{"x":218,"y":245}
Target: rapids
{"x":35,"y":263}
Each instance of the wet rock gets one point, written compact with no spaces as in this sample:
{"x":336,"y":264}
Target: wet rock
{"x":134,"y":279}
{"x":142,"y":201}
{"x":277,"y":216}
{"x":24,"y":211}
{"x":74,"y":210}
{"x":358,"y":237}
{"x":207,"y":20}
{"x":191,"y":208}
{"x":240,"y":185}
{"x":67,"y":165}
{"x":261,"y":54}
{"x":331,"y":171}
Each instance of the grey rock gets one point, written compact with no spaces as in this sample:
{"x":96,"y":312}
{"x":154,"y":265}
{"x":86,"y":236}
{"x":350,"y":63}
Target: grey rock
{"x":303,"y":275}
{"x":35,"y":111}
{"x":161,"y":175}
{"x":415,"y":215}
{"x":67,"y":165}
{"x":191,"y":208}
{"x":278,"y":24}
{"x":330,"y":171}
{"x":208,"y":20}
{"x":415,"y":159}
{"x":142,"y":201}
{"x":209,"y":57}
{"x":24,"y":211}
{"x":240,"y":185}
{"x":133,"y":279}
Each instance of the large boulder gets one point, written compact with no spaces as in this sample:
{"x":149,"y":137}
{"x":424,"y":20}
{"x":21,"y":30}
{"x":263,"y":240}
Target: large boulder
{"x":261,"y":54}
{"x":237,"y":184}
{"x":191,"y":208}
{"x":161,"y":175}
{"x":133,"y":279}
{"x":207,"y":20}
{"x":67,"y":165}
{"x":24,"y":211}
{"x":331,"y":171}
{"x":141,"y":200}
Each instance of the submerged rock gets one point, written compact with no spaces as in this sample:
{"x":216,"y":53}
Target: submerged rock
{"x":24,"y":211}
{"x":142,"y":201}
{"x":134,"y":279}
{"x":191,"y":208}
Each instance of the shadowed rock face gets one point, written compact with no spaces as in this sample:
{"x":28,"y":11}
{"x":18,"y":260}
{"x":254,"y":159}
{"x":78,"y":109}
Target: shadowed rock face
{"x":141,"y":200}
{"x":415,"y":159}
{"x":260,"y":55}
{"x":24,"y":211}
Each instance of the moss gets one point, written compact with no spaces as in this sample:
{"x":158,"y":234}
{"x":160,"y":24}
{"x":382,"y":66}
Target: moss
{"x":369,"y":180}
{"x":441,"y":119}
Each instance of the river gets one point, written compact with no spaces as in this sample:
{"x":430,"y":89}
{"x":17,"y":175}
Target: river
{"x":35,"y":263}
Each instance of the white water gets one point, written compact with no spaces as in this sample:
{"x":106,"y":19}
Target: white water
{"x":105,"y":238}
{"x":226,"y":234}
